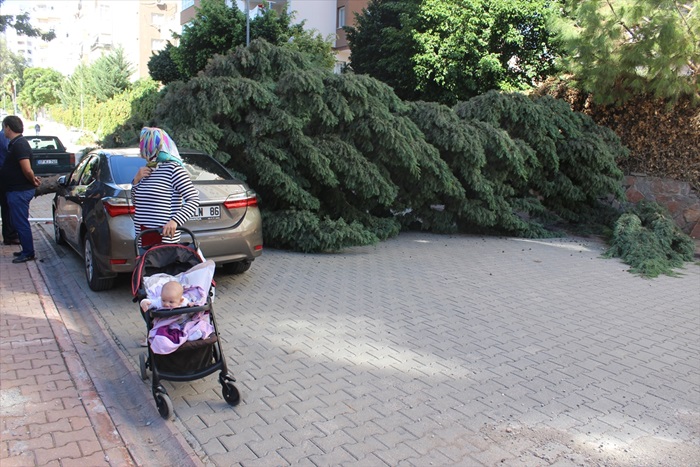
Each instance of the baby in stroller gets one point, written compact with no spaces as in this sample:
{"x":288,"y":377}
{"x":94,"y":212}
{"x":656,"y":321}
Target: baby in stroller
{"x":165,"y":292}
{"x":171,"y":296}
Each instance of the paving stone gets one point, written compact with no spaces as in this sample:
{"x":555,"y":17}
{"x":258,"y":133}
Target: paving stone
{"x":426,"y":348}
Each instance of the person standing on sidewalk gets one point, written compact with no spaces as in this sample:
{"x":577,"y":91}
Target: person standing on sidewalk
{"x":19,"y":182}
{"x":9,"y":234}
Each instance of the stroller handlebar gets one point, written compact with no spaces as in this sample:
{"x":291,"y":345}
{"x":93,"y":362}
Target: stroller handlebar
{"x":164,"y":313}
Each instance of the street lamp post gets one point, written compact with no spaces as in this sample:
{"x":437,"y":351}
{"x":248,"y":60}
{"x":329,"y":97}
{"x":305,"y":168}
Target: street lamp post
{"x":247,"y":23}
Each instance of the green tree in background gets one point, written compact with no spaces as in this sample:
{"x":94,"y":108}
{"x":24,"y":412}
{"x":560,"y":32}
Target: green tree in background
{"x":215,"y":29}
{"x":627,"y":48}
{"x":218,"y":28}
{"x":42,"y":87}
{"x":451,"y":50}
{"x":12,"y":68}
{"x":99,"y":81}
{"x":21,"y":23}
{"x":383,"y":46}
{"x":162,"y":67}
{"x":110,"y":75}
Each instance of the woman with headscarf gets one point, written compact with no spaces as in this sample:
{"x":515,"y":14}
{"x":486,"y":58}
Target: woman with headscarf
{"x":162,"y":192}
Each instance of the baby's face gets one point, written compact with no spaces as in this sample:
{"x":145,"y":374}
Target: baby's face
{"x":169,"y":300}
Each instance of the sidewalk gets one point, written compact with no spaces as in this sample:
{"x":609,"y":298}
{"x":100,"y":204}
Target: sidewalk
{"x":50,"y":412}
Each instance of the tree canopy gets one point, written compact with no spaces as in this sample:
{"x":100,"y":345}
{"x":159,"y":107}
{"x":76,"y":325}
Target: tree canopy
{"x":41,"y":88}
{"x":12,"y":68}
{"x":619,"y":50}
{"x":340,"y":160}
{"x":451,"y":50}
{"x":218,"y":28}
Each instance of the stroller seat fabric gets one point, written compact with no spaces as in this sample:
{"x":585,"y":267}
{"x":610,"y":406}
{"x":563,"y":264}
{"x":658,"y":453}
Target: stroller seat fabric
{"x":169,"y":333}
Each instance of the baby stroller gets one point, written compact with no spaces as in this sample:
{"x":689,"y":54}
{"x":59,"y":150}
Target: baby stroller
{"x":193,"y":359}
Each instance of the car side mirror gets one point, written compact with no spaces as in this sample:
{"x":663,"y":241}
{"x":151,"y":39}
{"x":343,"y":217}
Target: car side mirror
{"x":62,"y":180}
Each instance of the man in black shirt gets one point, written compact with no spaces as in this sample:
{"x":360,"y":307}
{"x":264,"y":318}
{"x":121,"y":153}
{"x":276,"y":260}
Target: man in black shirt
{"x":19,"y":183}
{"x":9,"y":234}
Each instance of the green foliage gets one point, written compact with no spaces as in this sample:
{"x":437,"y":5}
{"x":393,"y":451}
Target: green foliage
{"x":162,"y":67}
{"x":569,"y":163}
{"x":218,"y":28}
{"x":99,"y":82}
{"x":305,"y":231}
{"x":310,"y":142}
{"x":451,"y":50}
{"x":104,"y":119}
{"x":647,"y":239}
{"x":215,"y":29}
{"x":382,"y":45}
{"x":12,"y":68}
{"x":41,"y":88}
{"x":619,"y":50}
{"x":339,"y":160}
{"x":109,"y":76}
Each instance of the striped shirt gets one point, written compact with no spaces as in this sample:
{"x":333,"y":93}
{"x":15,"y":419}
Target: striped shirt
{"x":167,"y":194}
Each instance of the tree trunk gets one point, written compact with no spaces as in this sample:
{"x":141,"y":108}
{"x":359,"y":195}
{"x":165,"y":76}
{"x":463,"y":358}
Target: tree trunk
{"x":48,"y":185}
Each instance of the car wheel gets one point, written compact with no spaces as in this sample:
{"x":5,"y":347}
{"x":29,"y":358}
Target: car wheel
{"x":238,"y":267}
{"x":92,"y":271}
{"x":57,"y":234}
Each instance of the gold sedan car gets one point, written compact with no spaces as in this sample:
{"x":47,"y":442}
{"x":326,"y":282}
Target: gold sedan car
{"x":93,"y":213}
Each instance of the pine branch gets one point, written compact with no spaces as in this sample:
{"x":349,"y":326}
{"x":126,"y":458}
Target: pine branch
{"x":620,"y":21}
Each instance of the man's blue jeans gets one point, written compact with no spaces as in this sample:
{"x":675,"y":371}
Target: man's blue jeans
{"x":18,"y":201}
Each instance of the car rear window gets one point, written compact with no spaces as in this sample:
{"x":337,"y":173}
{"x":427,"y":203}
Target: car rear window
{"x":201,"y":167}
{"x":124,"y":168}
{"x":204,"y":168}
{"x":44,"y":143}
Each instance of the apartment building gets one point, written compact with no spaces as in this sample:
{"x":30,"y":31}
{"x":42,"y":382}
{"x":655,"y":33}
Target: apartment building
{"x":327,"y":17}
{"x":87,"y":29}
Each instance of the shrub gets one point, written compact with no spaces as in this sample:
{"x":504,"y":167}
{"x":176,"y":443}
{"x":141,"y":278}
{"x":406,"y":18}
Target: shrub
{"x":647,"y":239}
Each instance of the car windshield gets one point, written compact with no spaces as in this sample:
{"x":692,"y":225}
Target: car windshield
{"x":201,"y":167}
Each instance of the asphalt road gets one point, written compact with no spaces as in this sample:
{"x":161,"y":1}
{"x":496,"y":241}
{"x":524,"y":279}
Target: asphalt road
{"x":422,"y":350}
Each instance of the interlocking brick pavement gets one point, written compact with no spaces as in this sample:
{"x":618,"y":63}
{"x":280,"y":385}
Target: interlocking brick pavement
{"x":50,"y":414}
{"x":451,"y":350}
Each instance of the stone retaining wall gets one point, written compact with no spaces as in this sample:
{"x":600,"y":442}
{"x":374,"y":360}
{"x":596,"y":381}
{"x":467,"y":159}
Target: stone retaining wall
{"x":678,"y":197}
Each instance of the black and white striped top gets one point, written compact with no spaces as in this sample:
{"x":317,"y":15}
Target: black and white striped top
{"x":168,"y":193}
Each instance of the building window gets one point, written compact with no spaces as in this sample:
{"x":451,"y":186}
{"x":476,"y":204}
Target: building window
{"x":341,"y":17}
{"x":157,"y":19}
{"x":157,"y":45}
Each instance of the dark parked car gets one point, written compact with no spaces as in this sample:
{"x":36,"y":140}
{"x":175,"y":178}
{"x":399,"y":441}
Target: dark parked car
{"x":50,"y":156}
{"x":93,"y":213}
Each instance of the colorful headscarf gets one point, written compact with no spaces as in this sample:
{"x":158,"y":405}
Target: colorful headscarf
{"x":157,"y":146}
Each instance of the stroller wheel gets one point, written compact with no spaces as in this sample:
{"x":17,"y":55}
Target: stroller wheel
{"x":230,"y":393}
{"x":165,"y":405}
{"x":142,"y":365}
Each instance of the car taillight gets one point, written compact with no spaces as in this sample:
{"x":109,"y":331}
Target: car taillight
{"x":72,"y":159}
{"x":117,"y":207}
{"x":248,"y":199}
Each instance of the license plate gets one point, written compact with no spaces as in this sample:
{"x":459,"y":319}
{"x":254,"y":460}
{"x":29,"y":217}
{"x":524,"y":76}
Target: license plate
{"x":47,"y":161}
{"x":207,"y":213}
